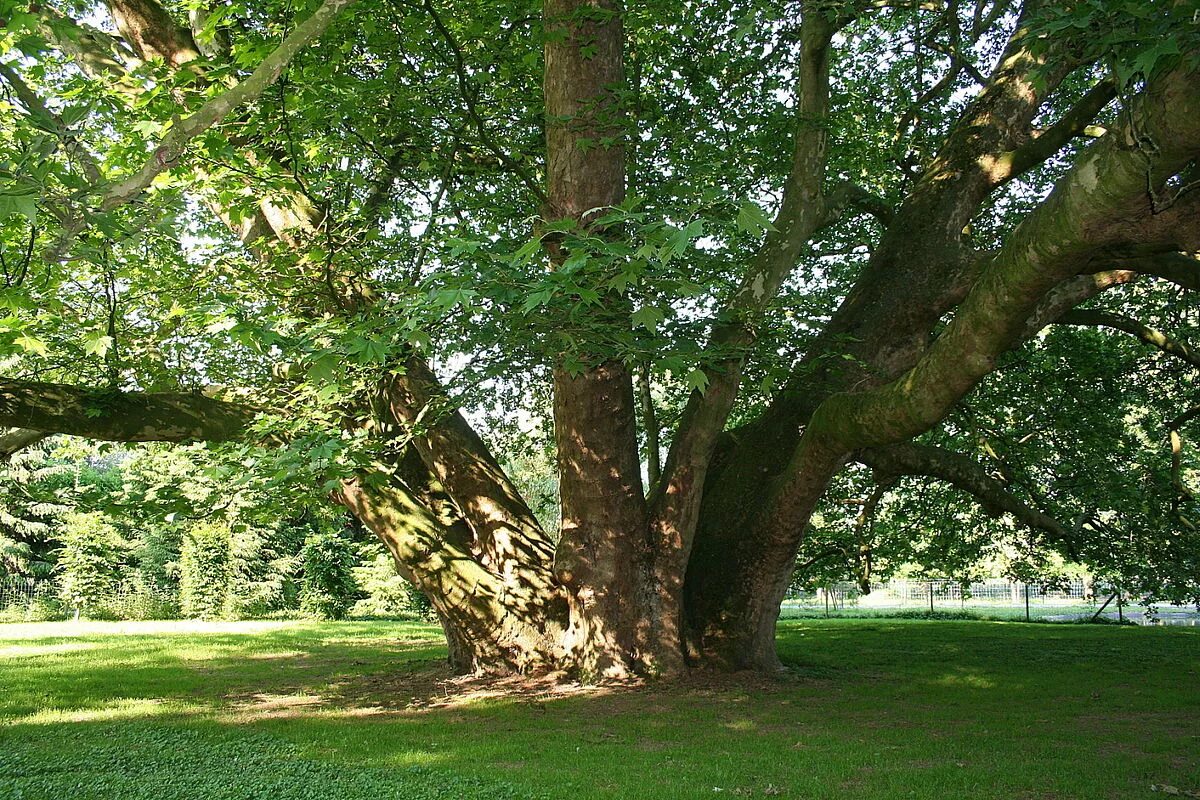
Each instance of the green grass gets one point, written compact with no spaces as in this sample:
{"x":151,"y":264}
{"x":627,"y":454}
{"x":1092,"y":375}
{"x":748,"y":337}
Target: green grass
{"x":341,"y":711}
{"x":995,"y":612}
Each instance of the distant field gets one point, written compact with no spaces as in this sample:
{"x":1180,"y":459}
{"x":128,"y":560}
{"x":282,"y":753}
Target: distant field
{"x":341,"y":711}
{"x":1038,"y":612}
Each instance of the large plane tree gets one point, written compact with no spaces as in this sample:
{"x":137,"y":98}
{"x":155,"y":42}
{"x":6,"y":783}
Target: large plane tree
{"x":728,"y":249}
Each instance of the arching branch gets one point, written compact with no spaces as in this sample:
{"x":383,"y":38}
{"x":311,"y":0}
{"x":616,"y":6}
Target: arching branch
{"x":1182,"y":269}
{"x":117,"y":416}
{"x":1093,"y":211}
{"x":965,"y":474}
{"x":1070,"y":125}
{"x":1086,"y":317}
{"x":266,"y":73}
{"x":16,"y":440}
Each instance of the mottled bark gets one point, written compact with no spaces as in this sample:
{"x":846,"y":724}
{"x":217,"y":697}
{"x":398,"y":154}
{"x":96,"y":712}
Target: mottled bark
{"x":117,"y":416}
{"x":779,"y":466}
{"x":149,"y":29}
{"x":622,"y":618}
{"x":506,"y":538}
{"x":486,"y":632}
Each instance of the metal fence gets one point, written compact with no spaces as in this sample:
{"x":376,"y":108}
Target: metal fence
{"x":30,"y":600}
{"x":904,"y":593}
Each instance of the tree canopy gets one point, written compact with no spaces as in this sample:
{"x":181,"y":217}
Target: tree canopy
{"x":744,"y":279}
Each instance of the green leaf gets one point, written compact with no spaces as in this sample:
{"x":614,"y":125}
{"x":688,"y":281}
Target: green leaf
{"x":24,"y":203}
{"x":323,"y":369}
{"x":73,"y":114}
{"x":697,"y":380}
{"x":752,"y":219}
{"x":367,"y":351}
{"x":31,"y":344}
{"x":575,"y":261}
{"x":97,"y":344}
{"x":648,"y":317}
{"x":536,"y":299}
{"x":682,"y":239}
{"x":527,"y":252}
{"x":420,"y":340}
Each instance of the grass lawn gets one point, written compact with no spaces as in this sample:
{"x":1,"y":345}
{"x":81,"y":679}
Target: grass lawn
{"x":342,"y":711}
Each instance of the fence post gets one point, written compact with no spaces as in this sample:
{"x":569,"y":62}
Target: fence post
{"x":1027,"y":602}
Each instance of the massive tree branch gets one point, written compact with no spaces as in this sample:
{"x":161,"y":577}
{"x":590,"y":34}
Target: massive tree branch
{"x":1178,"y":268}
{"x":1094,"y":208}
{"x":1095,"y":318}
{"x":1098,"y":209}
{"x":117,"y":416}
{"x":763,"y":488}
{"x":170,"y":149}
{"x":95,"y":52}
{"x":149,"y":29}
{"x":475,"y":605}
{"x":963,"y":473}
{"x":506,"y":529}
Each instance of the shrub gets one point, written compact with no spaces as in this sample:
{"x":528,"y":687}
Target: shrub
{"x":265,"y":560}
{"x":387,"y":594}
{"x":89,"y":561}
{"x":204,"y":571}
{"x":328,"y":588}
{"x":42,"y":607}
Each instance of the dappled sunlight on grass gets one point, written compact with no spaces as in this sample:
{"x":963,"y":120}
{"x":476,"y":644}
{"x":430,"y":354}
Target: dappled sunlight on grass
{"x":894,"y":709}
{"x":742,"y":725}
{"x":111,"y":711}
{"x":187,"y":627}
{"x":969,"y":680}
{"x":33,"y":650}
{"x":274,"y":655}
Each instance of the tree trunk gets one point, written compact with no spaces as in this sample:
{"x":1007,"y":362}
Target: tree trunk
{"x":486,"y":629}
{"x":603,"y":557}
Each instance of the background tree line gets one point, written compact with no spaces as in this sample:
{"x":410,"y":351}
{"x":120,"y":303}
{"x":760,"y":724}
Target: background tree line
{"x":161,"y":533}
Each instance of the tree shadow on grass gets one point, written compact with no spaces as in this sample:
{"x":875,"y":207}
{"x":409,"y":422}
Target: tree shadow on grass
{"x":893,"y":710}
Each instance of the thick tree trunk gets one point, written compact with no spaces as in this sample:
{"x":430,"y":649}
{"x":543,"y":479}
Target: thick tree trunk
{"x":485,"y":629}
{"x":603,"y":558}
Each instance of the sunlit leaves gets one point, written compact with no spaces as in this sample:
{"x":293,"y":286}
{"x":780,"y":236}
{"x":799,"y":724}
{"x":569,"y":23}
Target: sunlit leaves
{"x":31,"y":344}
{"x":1131,"y":38}
{"x":23,"y":203}
{"x":97,"y":344}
